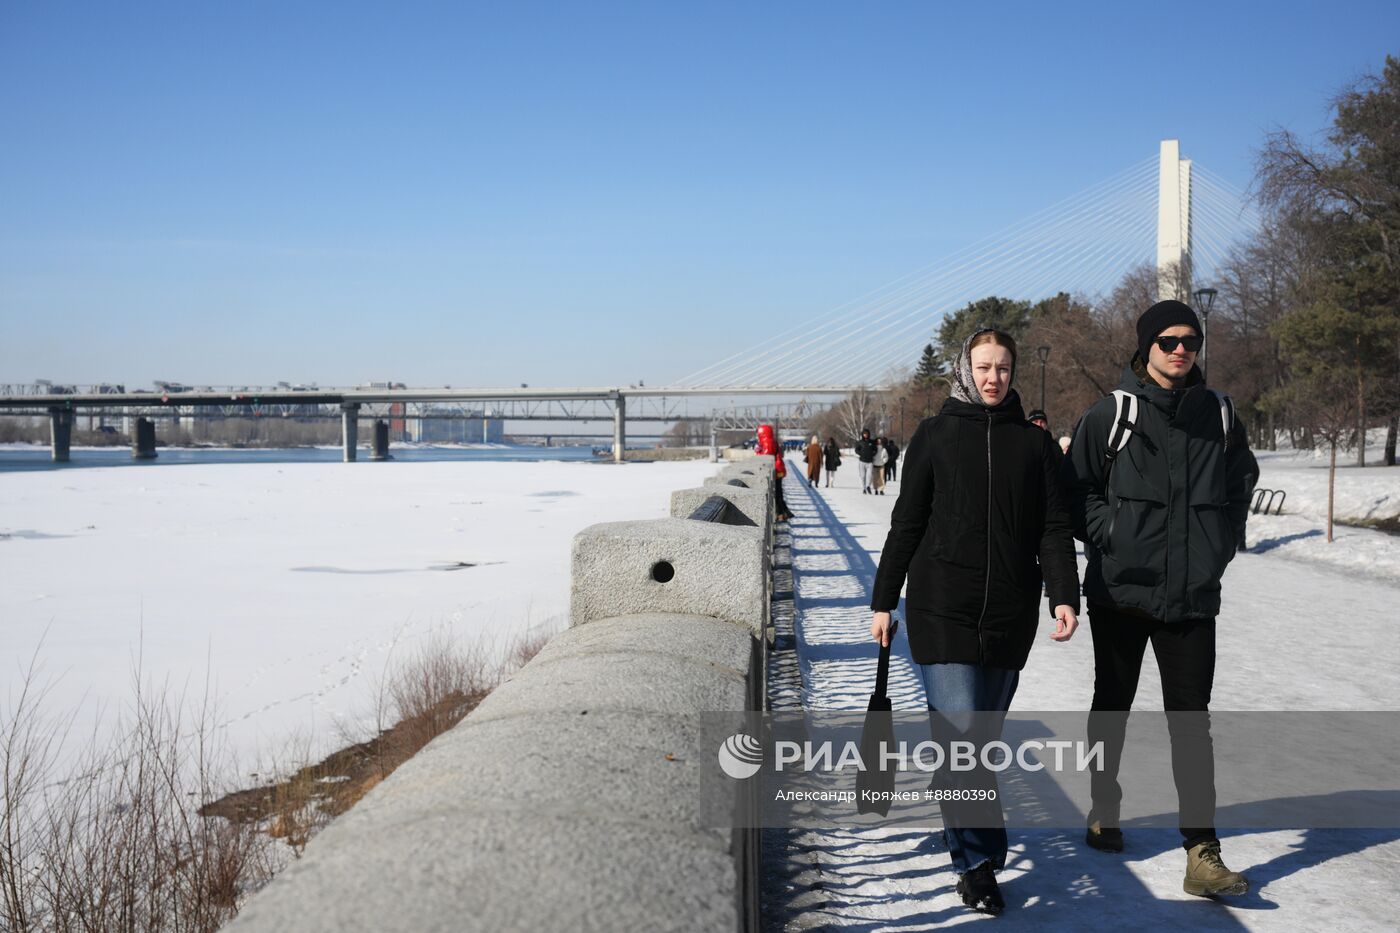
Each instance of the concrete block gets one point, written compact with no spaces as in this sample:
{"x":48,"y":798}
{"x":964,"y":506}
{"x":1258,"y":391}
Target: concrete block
{"x":452,"y":872}
{"x":603,"y":765}
{"x":755,"y":481}
{"x":702,"y":639}
{"x":751,"y":502}
{"x":627,"y":679}
{"x":671,"y":565}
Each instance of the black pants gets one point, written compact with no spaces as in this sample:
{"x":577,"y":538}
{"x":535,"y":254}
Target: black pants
{"x":1186,"y":659}
{"x":890,"y":471}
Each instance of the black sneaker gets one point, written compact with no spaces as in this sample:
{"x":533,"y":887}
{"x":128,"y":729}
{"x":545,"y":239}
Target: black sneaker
{"x":1104,"y":838}
{"x":979,"y":890}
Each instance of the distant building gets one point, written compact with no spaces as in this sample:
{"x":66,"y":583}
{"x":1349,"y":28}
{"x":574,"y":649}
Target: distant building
{"x":453,"y":426}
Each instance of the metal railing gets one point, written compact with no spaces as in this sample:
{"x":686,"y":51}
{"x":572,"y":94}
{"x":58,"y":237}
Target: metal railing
{"x":1264,"y":504}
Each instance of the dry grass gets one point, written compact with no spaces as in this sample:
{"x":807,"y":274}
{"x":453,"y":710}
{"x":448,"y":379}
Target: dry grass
{"x":116,"y":844}
{"x":143,"y":835}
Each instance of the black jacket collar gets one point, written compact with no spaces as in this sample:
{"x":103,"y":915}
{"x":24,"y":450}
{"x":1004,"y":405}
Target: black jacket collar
{"x":1009,"y":410}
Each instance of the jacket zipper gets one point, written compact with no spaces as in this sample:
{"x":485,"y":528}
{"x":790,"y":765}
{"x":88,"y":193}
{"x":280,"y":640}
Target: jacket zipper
{"x":987,"y":581}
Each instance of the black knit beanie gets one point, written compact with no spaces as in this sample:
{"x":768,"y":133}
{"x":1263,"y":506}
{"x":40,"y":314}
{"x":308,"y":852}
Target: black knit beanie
{"x":1158,"y":318}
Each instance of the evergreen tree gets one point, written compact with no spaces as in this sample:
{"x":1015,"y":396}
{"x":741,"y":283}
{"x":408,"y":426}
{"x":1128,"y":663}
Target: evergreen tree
{"x":1004,"y":314}
{"x":930,"y":367}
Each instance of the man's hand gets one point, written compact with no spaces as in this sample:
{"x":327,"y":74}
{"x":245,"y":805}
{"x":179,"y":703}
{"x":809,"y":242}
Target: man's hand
{"x":880,"y":629}
{"x":1065,"y":623}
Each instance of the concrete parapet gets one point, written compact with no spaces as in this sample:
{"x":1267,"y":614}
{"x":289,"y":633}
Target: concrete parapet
{"x":759,"y":481}
{"x":566,"y":800}
{"x":671,"y":565}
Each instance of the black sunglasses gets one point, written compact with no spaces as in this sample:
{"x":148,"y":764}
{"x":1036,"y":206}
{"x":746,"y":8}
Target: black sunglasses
{"x":1168,"y":344}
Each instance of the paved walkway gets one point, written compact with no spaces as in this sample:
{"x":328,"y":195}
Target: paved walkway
{"x":1272,"y":655}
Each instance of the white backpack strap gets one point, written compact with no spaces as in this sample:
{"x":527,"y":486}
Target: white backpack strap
{"x":1227,"y":413}
{"x":1119,"y":433}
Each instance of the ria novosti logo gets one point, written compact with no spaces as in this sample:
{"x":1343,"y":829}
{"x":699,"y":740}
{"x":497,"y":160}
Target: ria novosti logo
{"x":740,"y":756}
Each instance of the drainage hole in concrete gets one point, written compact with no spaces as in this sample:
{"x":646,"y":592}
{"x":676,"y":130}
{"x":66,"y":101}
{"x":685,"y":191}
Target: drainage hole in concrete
{"x":662,"y":571}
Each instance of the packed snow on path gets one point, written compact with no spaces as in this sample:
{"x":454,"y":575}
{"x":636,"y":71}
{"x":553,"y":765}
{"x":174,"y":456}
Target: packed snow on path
{"x":1293,"y":635}
{"x":287,"y":589}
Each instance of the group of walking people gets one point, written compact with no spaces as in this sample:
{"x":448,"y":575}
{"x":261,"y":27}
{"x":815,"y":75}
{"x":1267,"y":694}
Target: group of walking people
{"x":876,"y":460}
{"x":1156,"y":483}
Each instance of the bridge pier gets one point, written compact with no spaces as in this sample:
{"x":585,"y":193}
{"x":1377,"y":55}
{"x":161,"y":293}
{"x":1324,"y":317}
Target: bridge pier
{"x":379,"y":445}
{"x":619,"y":428}
{"x":143,"y":444}
{"x":349,"y":429}
{"x":60,"y":433}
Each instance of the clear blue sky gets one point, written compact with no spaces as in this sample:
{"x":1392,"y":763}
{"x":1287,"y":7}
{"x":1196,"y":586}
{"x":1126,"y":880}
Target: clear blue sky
{"x":568,"y":194}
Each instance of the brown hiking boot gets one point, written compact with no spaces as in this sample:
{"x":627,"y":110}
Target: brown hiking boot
{"x":1206,"y":874}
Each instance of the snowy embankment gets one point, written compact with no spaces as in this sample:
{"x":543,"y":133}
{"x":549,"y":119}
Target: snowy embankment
{"x":1364,"y":496}
{"x":287,"y":589}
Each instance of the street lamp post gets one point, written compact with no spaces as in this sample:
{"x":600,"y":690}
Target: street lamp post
{"x":1044,"y":354}
{"x":1205,"y":298}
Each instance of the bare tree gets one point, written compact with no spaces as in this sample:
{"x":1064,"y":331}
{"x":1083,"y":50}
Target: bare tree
{"x":857,"y":412}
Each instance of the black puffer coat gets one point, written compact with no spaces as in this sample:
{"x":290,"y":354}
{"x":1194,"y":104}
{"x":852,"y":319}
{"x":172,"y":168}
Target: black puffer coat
{"x":980,"y":516}
{"x":1163,"y":524}
{"x":833,"y":455}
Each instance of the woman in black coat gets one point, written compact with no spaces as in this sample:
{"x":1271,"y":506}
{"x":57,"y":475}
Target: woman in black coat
{"x":833,"y":458}
{"x":979,"y":521}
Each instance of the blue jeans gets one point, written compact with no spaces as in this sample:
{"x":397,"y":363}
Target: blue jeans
{"x":975,"y":831}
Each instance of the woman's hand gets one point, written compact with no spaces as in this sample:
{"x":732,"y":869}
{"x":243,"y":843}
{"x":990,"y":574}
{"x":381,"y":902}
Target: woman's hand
{"x":1065,"y":623}
{"x":880,"y":629}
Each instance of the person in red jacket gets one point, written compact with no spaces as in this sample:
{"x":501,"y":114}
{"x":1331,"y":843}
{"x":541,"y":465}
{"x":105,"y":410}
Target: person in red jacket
{"x":768,"y":447}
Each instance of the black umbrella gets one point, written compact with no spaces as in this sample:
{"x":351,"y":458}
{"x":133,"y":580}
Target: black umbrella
{"x":876,"y":778}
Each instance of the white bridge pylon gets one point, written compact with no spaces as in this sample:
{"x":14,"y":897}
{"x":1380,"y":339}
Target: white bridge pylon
{"x":1173,"y":222}
{"x":1163,"y":212}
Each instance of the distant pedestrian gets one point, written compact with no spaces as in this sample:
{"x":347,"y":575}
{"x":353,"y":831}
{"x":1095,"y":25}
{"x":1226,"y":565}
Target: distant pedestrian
{"x":877,"y":472}
{"x":865,"y":454}
{"x":767,"y":446}
{"x":833,"y":459}
{"x":1038,"y":418}
{"x":892,"y":449}
{"x":814,"y":460}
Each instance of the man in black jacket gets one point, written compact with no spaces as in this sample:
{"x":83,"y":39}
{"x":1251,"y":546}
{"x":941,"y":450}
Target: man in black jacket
{"x":892,"y":449}
{"x":865,"y":453}
{"x":1160,"y":519}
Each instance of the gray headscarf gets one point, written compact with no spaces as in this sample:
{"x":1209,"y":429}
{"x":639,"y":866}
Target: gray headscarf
{"x":964,"y":386}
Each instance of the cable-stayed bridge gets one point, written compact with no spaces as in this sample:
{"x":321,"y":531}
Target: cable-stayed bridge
{"x":1164,"y":211}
